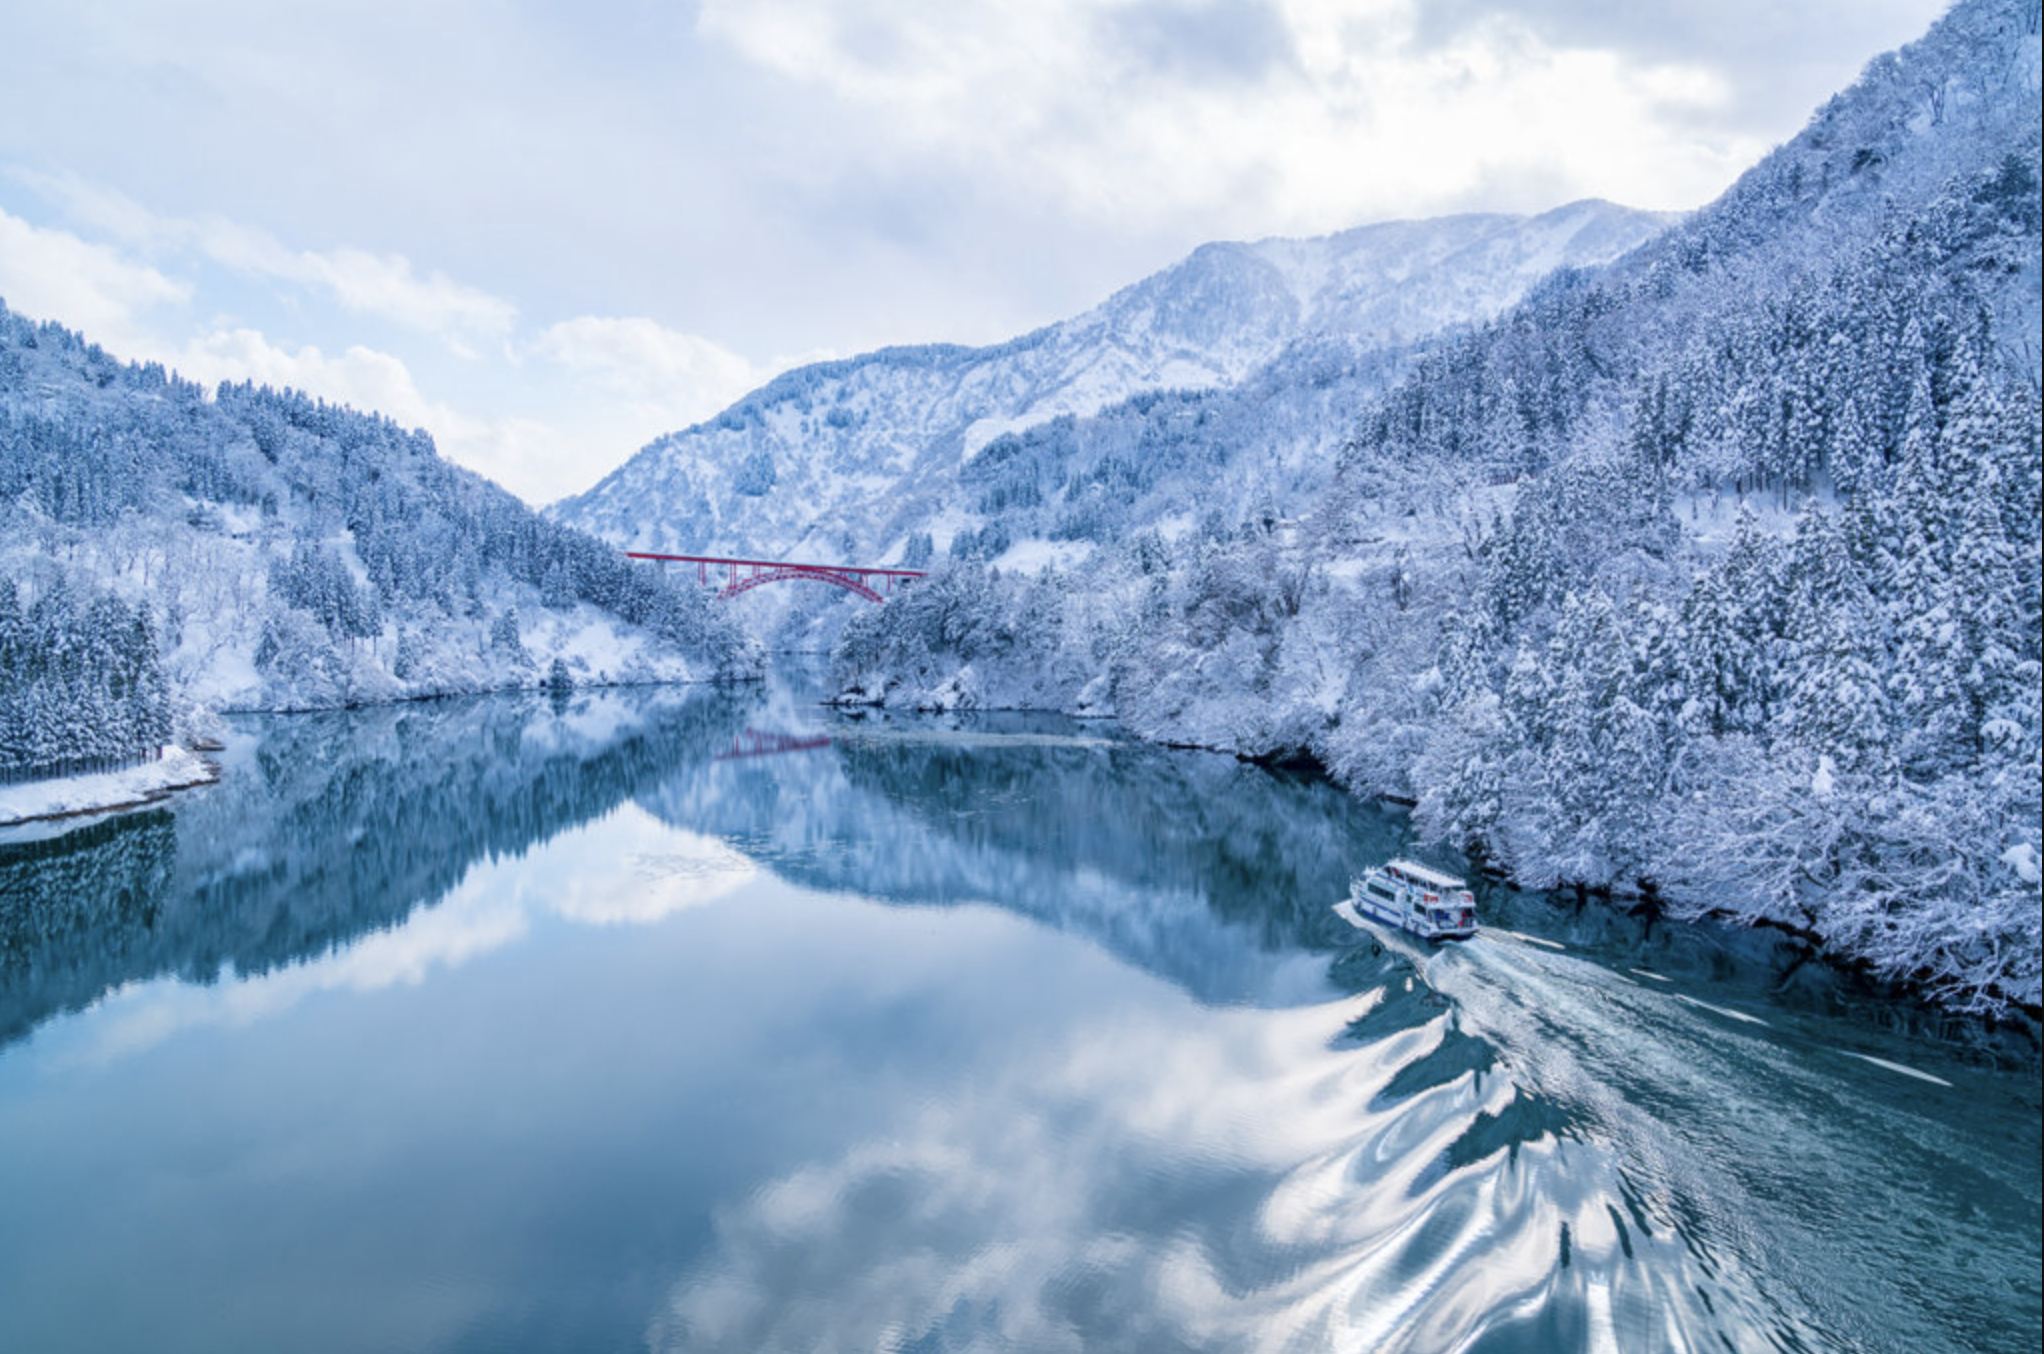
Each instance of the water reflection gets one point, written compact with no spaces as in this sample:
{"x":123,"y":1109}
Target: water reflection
{"x":1206,"y":871}
{"x":626,"y":871}
{"x":326,"y":828}
{"x":79,"y":911}
{"x":1231,"y":1183}
{"x":711,"y":1021}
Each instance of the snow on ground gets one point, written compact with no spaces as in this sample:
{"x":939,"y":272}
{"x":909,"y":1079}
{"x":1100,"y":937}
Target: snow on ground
{"x":178,"y":768}
{"x":1035,"y":555}
{"x":599,"y":651}
{"x":218,"y":674}
{"x":982,"y":431}
{"x":1710,"y":518}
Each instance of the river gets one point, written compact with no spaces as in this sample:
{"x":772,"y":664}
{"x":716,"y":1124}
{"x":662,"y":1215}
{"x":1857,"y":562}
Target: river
{"x":681,"y":1019}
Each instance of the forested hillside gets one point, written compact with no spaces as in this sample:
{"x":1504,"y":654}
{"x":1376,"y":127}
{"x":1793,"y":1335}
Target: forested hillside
{"x":1711,"y":573}
{"x":165,"y":546}
{"x":875,"y":457}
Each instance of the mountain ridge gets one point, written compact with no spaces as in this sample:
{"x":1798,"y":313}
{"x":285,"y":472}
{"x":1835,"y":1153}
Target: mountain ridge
{"x":1214,"y":319}
{"x":251,"y":548}
{"x":1709,"y":574}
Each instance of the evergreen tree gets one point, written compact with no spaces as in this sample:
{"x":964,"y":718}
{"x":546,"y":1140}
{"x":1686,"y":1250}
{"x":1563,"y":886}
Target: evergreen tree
{"x":1832,"y":699}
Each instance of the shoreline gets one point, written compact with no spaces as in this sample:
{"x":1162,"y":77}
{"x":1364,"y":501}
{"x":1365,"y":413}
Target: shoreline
{"x":2025,"y":1020}
{"x":141,"y":791}
{"x":102,"y":792}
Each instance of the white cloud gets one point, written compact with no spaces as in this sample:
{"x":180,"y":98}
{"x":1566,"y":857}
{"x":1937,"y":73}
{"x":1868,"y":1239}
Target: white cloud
{"x":362,"y":377}
{"x":634,"y":379}
{"x":651,"y":363}
{"x":1321,"y":114}
{"x":538,"y":460}
{"x":613,"y":384}
{"x":54,"y":275}
{"x":789,"y":174}
{"x":627,"y":381}
{"x":384,"y":286}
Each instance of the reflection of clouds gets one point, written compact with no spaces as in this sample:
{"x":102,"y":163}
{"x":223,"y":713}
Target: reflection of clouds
{"x":625,"y":868}
{"x":1237,"y":1185}
{"x":138,"y":1016}
{"x":646,"y":887}
{"x":1089,"y":1198}
{"x":1004,"y":1217}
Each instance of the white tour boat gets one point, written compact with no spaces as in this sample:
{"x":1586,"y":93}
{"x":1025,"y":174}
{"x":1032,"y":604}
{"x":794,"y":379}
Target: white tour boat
{"x":1431,"y":905}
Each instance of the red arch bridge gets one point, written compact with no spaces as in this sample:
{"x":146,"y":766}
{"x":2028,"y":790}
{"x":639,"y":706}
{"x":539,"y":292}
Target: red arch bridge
{"x":733,"y":576}
{"x":761,"y":743}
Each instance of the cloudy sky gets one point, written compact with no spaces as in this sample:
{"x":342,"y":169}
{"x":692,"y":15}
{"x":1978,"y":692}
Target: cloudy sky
{"x":547,"y":232}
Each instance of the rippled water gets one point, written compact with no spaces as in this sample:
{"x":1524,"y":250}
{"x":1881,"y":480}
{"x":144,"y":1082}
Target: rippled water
{"x":652,"y":1020}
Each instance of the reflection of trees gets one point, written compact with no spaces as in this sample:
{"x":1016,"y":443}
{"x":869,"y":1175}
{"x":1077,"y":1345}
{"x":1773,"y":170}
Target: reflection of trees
{"x":1198,"y":868}
{"x":75,"y":909}
{"x":1264,"y":850}
{"x":338,"y":824}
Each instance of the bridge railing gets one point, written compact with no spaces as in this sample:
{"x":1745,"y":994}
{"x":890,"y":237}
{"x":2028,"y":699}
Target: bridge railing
{"x":740,"y":575}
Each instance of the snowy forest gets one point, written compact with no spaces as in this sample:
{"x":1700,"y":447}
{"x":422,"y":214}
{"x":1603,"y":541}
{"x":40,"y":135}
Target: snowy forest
{"x":1255,"y":355}
{"x":81,"y":683}
{"x":1710,"y":575}
{"x":1706,"y":572}
{"x":170,"y":549}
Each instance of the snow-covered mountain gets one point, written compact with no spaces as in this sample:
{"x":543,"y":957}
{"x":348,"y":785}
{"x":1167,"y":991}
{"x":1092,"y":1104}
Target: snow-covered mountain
{"x":859,"y":458}
{"x":250,"y":548}
{"x":1712,"y":571}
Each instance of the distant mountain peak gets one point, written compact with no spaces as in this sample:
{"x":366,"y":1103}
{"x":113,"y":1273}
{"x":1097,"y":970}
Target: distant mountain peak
{"x":853,"y":455}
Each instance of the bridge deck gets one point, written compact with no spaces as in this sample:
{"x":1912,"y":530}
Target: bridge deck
{"x":780,"y":564}
{"x":742,"y":575}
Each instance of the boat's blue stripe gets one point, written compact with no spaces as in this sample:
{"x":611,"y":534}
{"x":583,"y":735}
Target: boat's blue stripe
{"x":1369,"y":906}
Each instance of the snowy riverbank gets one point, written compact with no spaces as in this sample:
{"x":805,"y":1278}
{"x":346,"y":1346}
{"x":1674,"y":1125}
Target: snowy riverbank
{"x":178,"y":769}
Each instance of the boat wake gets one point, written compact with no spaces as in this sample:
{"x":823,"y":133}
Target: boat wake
{"x":1500,"y":1148}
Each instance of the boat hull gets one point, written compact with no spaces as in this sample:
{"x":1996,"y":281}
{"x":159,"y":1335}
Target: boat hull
{"x":1363,"y":907}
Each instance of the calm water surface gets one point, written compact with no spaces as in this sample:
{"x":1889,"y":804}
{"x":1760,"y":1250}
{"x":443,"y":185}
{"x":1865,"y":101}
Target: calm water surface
{"x":654,"y":1020}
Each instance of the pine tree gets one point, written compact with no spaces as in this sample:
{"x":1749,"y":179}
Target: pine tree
{"x":1732,"y":625}
{"x":1832,"y":698}
{"x":15,"y":682}
{"x":1985,"y":602}
{"x":504,"y":634}
{"x":556,"y":590}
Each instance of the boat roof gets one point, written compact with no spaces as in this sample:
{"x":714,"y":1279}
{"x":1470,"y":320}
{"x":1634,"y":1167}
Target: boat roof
{"x":1426,"y":875}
